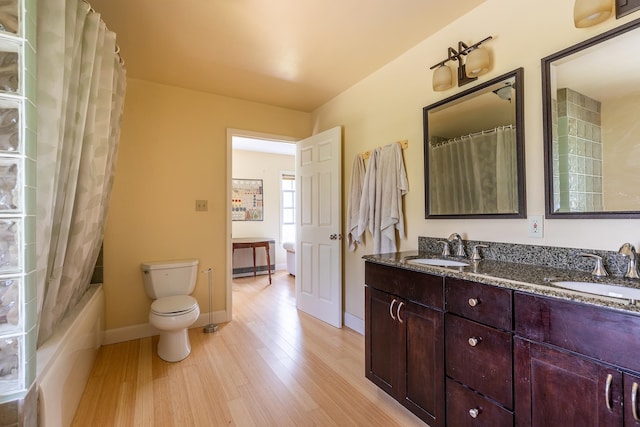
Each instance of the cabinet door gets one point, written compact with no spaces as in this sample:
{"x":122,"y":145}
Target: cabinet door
{"x":383,"y":336}
{"x":631,"y":400}
{"x":557,"y":388}
{"x":423,"y":379}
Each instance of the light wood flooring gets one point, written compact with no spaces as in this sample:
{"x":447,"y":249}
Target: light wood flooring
{"x":271,"y":366}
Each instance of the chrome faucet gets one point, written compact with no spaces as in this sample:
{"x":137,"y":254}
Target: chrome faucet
{"x":445,"y":248}
{"x":475,"y":255}
{"x":598,"y":270}
{"x":460,"y":249}
{"x":629,"y":251}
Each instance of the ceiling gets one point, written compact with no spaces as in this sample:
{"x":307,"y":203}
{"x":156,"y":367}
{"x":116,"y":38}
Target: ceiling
{"x":295,"y":54}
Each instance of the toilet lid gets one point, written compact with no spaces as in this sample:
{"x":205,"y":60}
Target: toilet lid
{"x":174,"y":304}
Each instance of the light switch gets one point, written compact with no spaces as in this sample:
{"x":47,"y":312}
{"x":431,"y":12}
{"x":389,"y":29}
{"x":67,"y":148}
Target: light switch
{"x":535,"y":225}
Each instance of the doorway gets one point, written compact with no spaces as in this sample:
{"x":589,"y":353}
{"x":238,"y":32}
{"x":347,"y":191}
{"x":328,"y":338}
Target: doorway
{"x":257,"y":159}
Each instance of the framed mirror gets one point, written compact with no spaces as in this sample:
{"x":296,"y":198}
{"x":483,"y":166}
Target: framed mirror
{"x":591,"y":99}
{"x":474,"y":152}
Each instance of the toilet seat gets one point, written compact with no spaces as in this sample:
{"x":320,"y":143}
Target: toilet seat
{"x":174,"y":305}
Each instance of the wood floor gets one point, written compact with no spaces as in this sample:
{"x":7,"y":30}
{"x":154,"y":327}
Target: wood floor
{"x":270,"y":366}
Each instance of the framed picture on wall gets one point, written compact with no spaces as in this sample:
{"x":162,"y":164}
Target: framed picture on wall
{"x":246,"y":200}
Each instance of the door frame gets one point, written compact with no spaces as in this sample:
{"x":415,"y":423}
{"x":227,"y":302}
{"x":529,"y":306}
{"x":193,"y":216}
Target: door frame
{"x":231,"y":132}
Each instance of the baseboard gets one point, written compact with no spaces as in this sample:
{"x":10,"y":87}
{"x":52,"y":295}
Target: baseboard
{"x":144,"y":330}
{"x":353,"y":322}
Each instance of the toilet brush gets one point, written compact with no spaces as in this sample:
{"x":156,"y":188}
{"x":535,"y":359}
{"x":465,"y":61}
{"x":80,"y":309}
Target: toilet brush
{"x":211,"y":327}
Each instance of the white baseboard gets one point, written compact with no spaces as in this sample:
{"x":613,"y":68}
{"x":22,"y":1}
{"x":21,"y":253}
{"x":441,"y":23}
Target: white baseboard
{"x":353,"y":322}
{"x":144,"y":330}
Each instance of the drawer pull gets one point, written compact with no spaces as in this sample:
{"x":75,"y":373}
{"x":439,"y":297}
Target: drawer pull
{"x":391,"y":309}
{"x":474,"y":412}
{"x":474,"y":341}
{"x":398,"y":312}
{"x":607,"y":392}
{"x":634,"y":401}
{"x":473,"y":302}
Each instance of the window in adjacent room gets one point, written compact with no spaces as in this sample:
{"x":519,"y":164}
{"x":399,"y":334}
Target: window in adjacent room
{"x":288,"y":207}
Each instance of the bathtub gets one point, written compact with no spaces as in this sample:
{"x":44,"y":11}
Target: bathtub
{"x":65,"y":361}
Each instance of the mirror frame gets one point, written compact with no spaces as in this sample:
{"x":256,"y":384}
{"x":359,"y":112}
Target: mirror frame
{"x":518,"y":75}
{"x":548,"y":128}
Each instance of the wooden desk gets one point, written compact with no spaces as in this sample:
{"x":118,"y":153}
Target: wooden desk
{"x":253,"y":243}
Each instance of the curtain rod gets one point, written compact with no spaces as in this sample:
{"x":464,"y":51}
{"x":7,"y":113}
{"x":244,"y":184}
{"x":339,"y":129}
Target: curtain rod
{"x":404,"y":144}
{"x":482,"y":132}
{"x":117,"y":51}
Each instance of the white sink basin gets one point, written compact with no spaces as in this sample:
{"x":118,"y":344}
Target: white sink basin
{"x":614,"y":291}
{"x":438,"y":262}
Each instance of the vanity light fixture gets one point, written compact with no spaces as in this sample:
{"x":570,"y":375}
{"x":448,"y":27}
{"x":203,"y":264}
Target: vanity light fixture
{"x":477,"y":63}
{"x":587,"y":13}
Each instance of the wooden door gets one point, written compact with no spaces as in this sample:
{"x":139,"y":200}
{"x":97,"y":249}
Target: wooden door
{"x":557,"y":388}
{"x":383,"y":339}
{"x":422,"y":379}
{"x":631,"y":400}
{"x":319,"y":226}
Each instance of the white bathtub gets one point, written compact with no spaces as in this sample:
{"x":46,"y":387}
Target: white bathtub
{"x":64,"y":362}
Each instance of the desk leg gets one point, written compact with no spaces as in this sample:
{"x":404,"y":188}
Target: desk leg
{"x":254,"y":260}
{"x":268,"y":261}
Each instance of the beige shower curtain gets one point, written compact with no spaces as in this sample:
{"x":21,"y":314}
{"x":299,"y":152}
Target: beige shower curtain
{"x":474,"y":174}
{"x":81,"y":85}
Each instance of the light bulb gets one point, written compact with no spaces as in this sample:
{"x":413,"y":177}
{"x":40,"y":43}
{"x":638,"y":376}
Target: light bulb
{"x":591,"y":12}
{"x":442,"y":78}
{"x":477,"y":62}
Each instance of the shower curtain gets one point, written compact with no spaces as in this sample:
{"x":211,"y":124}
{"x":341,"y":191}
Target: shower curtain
{"x":81,"y":85}
{"x":474,"y":174}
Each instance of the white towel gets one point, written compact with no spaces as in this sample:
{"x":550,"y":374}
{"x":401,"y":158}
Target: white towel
{"x":393,"y":185}
{"x":368,"y":200}
{"x":381,"y":211}
{"x":353,"y":207}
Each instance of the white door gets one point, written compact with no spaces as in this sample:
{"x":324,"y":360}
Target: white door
{"x":318,"y":231}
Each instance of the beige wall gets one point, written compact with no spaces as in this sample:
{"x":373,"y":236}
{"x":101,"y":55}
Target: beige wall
{"x":172,"y":152}
{"x":387,"y":107}
{"x":255,"y":165}
{"x":621,"y":154}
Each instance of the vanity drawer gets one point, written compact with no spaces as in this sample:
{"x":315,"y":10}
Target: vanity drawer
{"x":598,"y":332}
{"x":480,"y":357}
{"x":483,"y":303}
{"x":466,"y":408}
{"x":422,"y":288}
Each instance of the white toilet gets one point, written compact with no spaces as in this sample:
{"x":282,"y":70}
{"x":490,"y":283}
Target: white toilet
{"x":170,"y":283}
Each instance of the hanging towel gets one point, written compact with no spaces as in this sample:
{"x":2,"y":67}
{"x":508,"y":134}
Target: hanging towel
{"x":368,"y":199}
{"x":353,"y":207}
{"x":393,"y":184}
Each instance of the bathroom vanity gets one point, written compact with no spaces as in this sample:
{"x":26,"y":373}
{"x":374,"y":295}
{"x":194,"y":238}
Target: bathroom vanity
{"x":475,"y":346}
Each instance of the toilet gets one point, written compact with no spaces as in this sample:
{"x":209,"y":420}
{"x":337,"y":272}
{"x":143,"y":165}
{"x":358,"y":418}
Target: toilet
{"x":170,"y":284}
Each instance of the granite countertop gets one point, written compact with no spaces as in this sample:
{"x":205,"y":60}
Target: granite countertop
{"x":517,"y":276}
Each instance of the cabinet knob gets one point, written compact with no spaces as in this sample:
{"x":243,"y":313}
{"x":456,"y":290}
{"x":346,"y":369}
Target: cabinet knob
{"x":473,"y":302}
{"x":474,"y":341}
{"x":474,"y":412}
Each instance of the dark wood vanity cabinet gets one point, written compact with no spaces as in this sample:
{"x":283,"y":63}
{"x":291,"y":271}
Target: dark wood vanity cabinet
{"x":461,"y":353}
{"x":557,"y":388}
{"x":478,"y":353}
{"x":404,"y":338}
{"x":632,"y":400}
{"x":575,"y":363}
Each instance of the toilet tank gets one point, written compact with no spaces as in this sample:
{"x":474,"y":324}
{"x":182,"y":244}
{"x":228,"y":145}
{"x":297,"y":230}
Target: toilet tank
{"x":168,"y":278}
